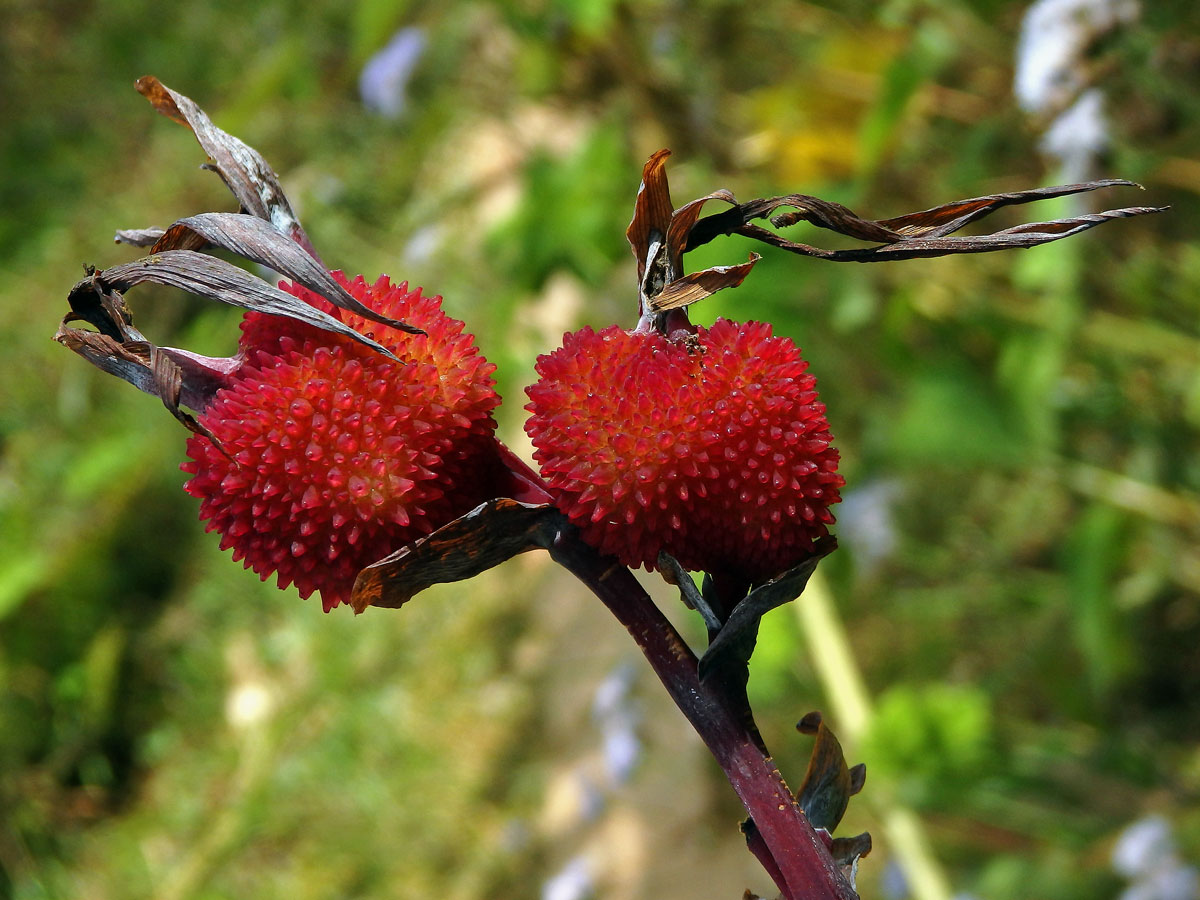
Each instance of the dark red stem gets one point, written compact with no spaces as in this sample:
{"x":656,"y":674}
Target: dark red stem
{"x":794,"y":855}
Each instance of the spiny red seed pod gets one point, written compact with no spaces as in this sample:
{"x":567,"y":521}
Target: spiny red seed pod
{"x":332,"y":455}
{"x":713,"y":448}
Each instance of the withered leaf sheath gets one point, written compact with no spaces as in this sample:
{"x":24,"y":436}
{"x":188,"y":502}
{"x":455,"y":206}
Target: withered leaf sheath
{"x":660,"y":235}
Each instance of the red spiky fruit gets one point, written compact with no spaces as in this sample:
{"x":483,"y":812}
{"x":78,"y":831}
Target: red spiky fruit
{"x":331,"y":455}
{"x":713,"y":448}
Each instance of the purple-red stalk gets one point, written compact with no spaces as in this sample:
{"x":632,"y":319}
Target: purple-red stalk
{"x":795,"y":856}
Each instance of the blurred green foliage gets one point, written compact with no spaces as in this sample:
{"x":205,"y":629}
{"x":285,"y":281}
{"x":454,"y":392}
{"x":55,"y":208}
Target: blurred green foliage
{"x":1025,"y":600}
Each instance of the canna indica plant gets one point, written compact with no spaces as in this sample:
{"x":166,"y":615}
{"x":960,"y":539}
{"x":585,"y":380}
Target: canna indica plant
{"x":349,"y":447}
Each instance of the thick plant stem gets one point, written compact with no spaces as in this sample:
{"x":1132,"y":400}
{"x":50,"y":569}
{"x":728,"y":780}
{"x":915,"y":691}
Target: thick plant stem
{"x":803,"y":868}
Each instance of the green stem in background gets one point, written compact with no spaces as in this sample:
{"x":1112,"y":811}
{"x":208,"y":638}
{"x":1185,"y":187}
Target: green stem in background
{"x":796,"y":857}
{"x":831,"y":655}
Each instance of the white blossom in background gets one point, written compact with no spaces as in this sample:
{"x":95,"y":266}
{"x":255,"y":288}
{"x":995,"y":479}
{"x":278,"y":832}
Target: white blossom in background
{"x":248,"y":704}
{"x":615,"y":715}
{"x":1078,"y":136}
{"x":573,"y":882}
{"x":1146,"y":854}
{"x":1052,"y":76}
{"x":383,"y":83}
{"x":866,"y":524}
{"x":617,"y":718}
{"x":423,"y":244}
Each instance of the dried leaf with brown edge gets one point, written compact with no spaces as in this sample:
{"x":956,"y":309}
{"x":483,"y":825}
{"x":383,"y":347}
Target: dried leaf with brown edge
{"x":259,"y":241}
{"x":141,"y":364}
{"x":828,"y":782}
{"x":950,"y":217}
{"x":138,"y":237}
{"x":216,"y":279}
{"x":690,"y":288}
{"x":177,"y":377}
{"x":488,"y":535}
{"x":253,"y":183}
{"x":919,"y":234}
{"x":658,"y":235}
{"x":734,"y":643}
{"x":651,"y":222}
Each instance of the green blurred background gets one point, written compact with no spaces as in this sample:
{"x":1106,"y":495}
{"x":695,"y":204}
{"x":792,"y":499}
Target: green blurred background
{"x":1019,"y":571}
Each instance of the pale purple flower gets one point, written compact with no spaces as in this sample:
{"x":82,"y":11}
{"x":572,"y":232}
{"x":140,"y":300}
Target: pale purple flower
{"x":383,"y":84}
{"x":573,"y":882}
{"x":617,"y":717}
{"x":1146,"y":854}
{"x":866,"y":524}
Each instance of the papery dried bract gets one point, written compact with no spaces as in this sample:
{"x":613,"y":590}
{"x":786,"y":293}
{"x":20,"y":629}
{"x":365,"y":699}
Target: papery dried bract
{"x":828,"y":782}
{"x":483,"y":538}
{"x":259,"y":241}
{"x":247,"y":175}
{"x":920,"y":234}
{"x":658,"y":234}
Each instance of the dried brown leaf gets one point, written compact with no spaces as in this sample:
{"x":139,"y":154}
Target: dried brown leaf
{"x":828,"y":785}
{"x":949,"y":217}
{"x":216,"y":279}
{"x":485,"y":537}
{"x":259,"y":241}
{"x":684,"y":218}
{"x":247,"y":175}
{"x":824,"y":214}
{"x":698,"y":285}
{"x":138,"y":237}
{"x":658,"y":236}
{"x":651,"y":216}
{"x":155,"y":370}
{"x":919,"y":234}
{"x":177,"y":377}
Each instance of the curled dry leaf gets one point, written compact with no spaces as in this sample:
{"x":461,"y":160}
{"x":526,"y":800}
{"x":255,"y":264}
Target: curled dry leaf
{"x":647,"y":232}
{"x":658,"y":237}
{"x":178,"y":377}
{"x":485,"y":537}
{"x":828,"y":782}
{"x":215,"y":279}
{"x":253,"y":183}
{"x":259,"y":241}
{"x":687,"y":289}
{"x":920,"y":234}
{"x":266,"y":232}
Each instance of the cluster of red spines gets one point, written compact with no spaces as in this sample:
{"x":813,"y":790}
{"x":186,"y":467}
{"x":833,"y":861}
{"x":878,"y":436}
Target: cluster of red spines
{"x":714,"y":448}
{"x":331,"y":455}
